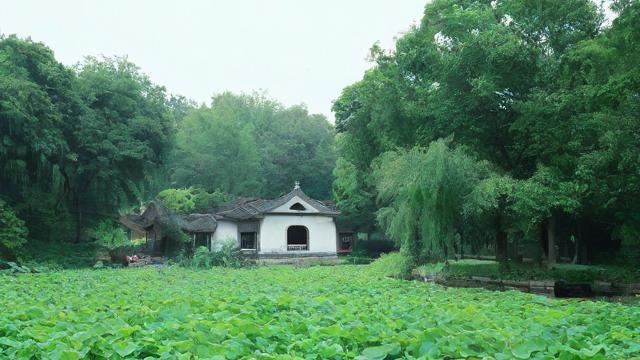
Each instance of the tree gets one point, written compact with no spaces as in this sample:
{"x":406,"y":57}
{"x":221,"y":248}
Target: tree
{"x":541,"y":198}
{"x":216,"y":149}
{"x":122,"y":133}
{"x":423,"y":191}
{"x":192,"y":200}
{"x":36,"y":101}
{"x":12,"y":232}
{"x":491,"y":200}
{"x":248,"y":145}
{"x":524,"y":85}
{"x":357,"y":208}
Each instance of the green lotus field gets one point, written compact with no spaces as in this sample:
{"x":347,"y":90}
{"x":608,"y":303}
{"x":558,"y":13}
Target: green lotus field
{"x":323,"y":312}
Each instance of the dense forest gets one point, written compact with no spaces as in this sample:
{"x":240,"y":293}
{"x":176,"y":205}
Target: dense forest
{"x":496,"y":123}
{"x":80,"y":145}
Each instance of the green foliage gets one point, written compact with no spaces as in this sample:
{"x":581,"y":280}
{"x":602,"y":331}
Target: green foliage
{"x":425,"y":190}
{"x":544,"y":194}
{"x":109,"y":235}
{"x":192,"y":200}
{"x":123,"y":133}
{"x":491,"y":197}
{"x":201,"y":258}
{"x":12,"y":232}
{"x":539,"y":89}
{"x":355,"y":203}
{"x":392,"y":265}
{"x":178,"y":200}
{"x":227,"y":254}
{"x":286,"y":312}
{"x":77,"y":143}
{"x":206,"y":201}
{"x":248,"y":145}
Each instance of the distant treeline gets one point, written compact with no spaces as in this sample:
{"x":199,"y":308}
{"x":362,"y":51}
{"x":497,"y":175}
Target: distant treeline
{"x":495,"y":122}
{"x":79,"y":145}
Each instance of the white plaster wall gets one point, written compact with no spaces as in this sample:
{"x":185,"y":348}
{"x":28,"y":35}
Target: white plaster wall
{"x":225,"y":230}
{"x":322,"y":233}
{"x":295,"y":199}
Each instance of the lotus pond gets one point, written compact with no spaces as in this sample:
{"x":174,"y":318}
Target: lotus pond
{"x":339,"y":312}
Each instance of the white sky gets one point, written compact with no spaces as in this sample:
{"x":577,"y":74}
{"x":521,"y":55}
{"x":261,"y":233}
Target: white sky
{"x":299,"y":51}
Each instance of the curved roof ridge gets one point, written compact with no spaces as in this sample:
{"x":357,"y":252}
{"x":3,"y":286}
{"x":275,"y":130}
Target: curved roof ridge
{"x":247,"y":209}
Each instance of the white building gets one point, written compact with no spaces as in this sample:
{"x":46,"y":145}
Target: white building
{"x":293,"y":225}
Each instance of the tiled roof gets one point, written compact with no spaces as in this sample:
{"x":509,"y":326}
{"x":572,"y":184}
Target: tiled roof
{"x":158,"y":214}
{"x":246,"y":208}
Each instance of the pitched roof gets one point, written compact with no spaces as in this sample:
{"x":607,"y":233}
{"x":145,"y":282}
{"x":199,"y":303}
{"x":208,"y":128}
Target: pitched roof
{"x":246,"y":208}
{"x":239,"y":209}
{"x":158,"y":214}
{"x":198,"y":223}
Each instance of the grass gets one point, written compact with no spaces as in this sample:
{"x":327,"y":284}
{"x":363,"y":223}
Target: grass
{"x":285,"y":312}
{"x":515,"y":271}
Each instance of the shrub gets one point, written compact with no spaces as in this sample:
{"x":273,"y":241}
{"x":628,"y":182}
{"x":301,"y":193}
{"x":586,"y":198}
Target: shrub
{"x":189,"y":200}
{"x":228,"y":254}
{"x":178,"y":200}
{"x":13,"y":232}
{"x":109,"y":235}
{"x":201,"y":258}
{"x":205,"y":201}
{"x":391,"y":265}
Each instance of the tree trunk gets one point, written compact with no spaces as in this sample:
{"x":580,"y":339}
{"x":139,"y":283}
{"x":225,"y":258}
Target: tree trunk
{"x":501,"y":241}
{"x":501,"y":246}
{"x":551,"y":241}
{"x":76,"y":205}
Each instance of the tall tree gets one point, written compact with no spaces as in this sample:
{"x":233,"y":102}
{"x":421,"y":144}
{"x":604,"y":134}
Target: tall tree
{"x":122,"y":133}
{"x":526,"y":85}
{"x":76,"y":143}
{"x":423,"y":191}
{"x":249,"y":145}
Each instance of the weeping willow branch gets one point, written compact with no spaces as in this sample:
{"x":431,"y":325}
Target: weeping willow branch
{"x":422,"y":191}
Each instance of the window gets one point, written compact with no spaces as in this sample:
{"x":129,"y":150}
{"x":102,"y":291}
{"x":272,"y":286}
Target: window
{"x":202,"y":239}
{"x":346,"y":241}
{"x":248,"y":240}
{"x":297,"y":206}
{"x":297,"y":238}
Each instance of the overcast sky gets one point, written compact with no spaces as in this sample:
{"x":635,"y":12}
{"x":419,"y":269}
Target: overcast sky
{"x":299,"y":51}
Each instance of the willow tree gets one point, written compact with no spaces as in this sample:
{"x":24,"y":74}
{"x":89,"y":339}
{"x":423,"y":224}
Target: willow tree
{"x":422,"y":191}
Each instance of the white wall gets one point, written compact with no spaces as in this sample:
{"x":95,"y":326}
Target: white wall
{"x":273,"y":233}
{"x":225,"y":230}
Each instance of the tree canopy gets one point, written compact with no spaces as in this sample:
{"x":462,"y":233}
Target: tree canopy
{"x":249,"y":145}
{"x":543,"y":91}
{"x":80,"y":144}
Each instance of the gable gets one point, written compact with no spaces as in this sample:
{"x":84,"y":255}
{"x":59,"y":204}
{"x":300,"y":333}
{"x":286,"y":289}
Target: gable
{"x":295,"y":202}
